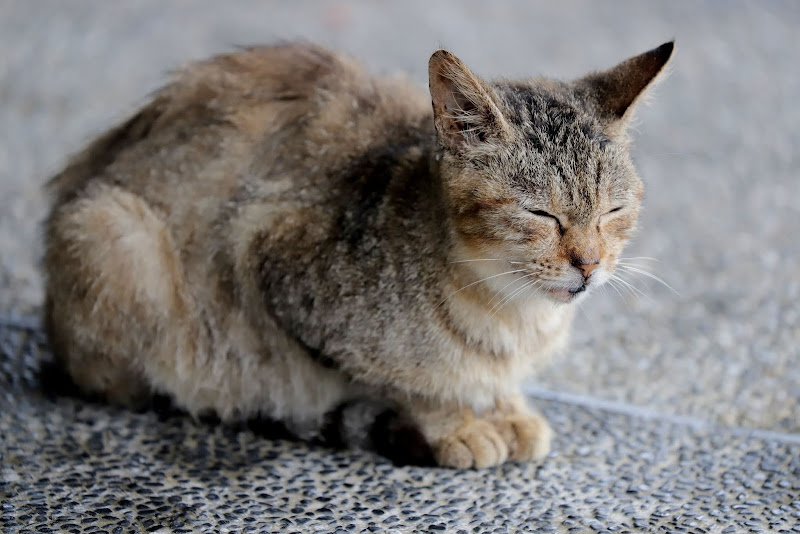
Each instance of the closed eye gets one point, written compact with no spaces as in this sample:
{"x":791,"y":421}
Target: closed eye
{"x":542,"y":213}
{"x":605,"y":216}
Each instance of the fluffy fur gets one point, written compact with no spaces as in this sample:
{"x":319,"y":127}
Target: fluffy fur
{"x":279,"y":234}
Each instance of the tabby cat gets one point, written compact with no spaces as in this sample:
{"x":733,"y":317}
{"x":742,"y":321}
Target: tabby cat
{"x":279,"y":234}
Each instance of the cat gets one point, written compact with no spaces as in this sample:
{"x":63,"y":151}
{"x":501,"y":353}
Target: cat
{"x":279,"y":234}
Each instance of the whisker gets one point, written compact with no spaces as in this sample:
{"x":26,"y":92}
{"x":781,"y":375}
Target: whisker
{"x":513,"y":295}
{"x":603,"y":287}
{"x":645,"y":258}
{"x":535,"y":290}
{"x":632,"y":287}
{"x":510,"y":297}
{"x":498,"y":293}
{"x":507,"y":297}
{"x":478,"y":282}
{"x":512,"y":262}
{"x":626,"y":287}
{"x":616,"y":285}
{"x":632,"y":269}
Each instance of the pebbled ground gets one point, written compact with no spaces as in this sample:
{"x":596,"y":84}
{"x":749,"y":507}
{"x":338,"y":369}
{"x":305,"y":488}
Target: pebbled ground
{"x":71,"y":466}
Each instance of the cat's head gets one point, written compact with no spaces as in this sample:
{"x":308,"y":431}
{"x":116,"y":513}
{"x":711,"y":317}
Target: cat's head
{"x":537,"y":173}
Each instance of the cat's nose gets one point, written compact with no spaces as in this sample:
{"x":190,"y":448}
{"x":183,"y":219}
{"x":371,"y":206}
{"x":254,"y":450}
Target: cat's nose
{"x":586,"y":267}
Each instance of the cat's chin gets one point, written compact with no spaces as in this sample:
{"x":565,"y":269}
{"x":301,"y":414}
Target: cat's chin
{"x":565,"y":296}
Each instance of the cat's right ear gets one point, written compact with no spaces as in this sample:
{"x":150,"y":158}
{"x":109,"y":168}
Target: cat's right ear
{"x":463,"y":110}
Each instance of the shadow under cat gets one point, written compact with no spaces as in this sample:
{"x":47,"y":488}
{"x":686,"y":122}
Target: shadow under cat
{"x":390,"y":434}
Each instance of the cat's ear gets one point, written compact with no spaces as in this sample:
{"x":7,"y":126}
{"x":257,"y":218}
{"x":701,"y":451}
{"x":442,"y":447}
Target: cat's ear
{"x":613,"y":93}
{"x":463,"y":110}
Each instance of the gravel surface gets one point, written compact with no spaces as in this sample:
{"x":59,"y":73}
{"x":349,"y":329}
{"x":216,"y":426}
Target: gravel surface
{"x":717,"y":149}
{"x":70,"y":466}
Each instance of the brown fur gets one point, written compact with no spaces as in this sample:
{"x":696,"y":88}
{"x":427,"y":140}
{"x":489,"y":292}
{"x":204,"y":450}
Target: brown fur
{"x":277,"y":233}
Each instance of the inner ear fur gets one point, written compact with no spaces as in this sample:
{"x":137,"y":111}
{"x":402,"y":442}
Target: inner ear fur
{"x":463,"y":109}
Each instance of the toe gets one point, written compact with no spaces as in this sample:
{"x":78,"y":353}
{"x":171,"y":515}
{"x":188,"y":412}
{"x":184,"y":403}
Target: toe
{"x":454,"y":452}
{"x":528,"y":436}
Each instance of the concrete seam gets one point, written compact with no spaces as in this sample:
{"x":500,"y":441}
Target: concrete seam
{"x":640,"y":412}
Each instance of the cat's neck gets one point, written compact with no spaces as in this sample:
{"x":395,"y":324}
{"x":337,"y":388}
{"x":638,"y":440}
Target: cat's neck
{"x":524,"y":327}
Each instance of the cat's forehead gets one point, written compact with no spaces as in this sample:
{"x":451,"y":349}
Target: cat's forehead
{"x":562,"y":155}
{"x":550,"y":117}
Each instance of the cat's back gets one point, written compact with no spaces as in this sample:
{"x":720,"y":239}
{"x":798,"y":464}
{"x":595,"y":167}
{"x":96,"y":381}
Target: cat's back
{"x":270,"y":109}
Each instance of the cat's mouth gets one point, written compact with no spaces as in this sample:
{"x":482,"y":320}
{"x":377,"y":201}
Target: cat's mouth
{"x":563,"y":294}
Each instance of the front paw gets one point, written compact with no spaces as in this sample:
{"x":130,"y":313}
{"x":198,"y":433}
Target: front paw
{"x":527,"y":435}
{"x":486,"y":442}
{"x":477,"y":443}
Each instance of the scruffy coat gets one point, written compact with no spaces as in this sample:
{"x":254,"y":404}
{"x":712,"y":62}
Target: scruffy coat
{"x":279,"y":234}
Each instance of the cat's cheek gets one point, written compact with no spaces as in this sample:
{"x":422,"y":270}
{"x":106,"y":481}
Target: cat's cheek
{"x":617,"y":230}
{"x":537,"y":238}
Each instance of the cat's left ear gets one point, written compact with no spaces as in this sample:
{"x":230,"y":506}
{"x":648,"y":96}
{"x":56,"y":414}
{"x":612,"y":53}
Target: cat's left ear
{"x":464,"y":111}
{"x":615,"y":92}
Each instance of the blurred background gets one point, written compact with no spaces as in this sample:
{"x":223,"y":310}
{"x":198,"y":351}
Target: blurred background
{"x":717,"y":148}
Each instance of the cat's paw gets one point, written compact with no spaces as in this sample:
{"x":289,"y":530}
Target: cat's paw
{"x":477,"y":443}
{"x":527,"y":435}
{"x":486,"y":442}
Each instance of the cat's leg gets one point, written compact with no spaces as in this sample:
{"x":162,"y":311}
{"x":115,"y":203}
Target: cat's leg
{"x":461,"y":437}
{"x":527,"y":433}
{"x":124,"y":323}
{"x":117,"y":303}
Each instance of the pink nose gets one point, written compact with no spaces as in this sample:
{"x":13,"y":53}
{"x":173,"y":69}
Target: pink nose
{"x":587,"y":269}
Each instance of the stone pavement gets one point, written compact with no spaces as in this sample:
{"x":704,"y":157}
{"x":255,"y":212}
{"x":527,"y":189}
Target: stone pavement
{"x":72,"y":466}
{"x":674,"y":412}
